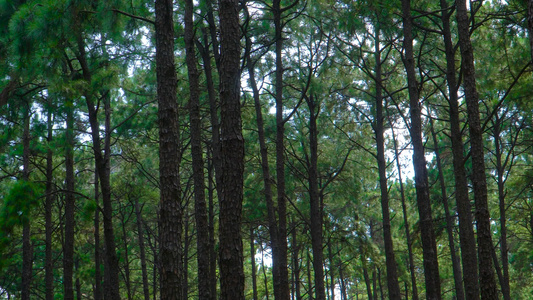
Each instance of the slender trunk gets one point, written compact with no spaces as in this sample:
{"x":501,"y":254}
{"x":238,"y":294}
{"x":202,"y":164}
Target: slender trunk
{"x":97,"y":272}
{"x":464,"y":210}
{"x":49,"y":263}
{"x":342,"y":281}
{"x":405,"y":219}
{"x":429,"y":246}
{"x":200,"y":207}
{"x":186,"y":247}
{"x":479,"y":180}
{"x":272,"y":224}
{"x":366,"y":277}
{"x":380,"y":284}
{"x":374,"y":284}
{"x":456,"y":264}
{"x":27,"y":251}
{"x":111,"y":281}
{"x":252,"y":261}
{"x":212,"y":253}
{"x":265,"y":278}
{"x":142,"y":249}
{"x":281,"y":285}
{"x":295,"y":263}
{"x":214,"y":162}
{"x":170,"y":211}
{"x":126,"y":265}
{"x":392,"y":272}
{"x":68,"y":245}
{"x":314,"y":201}
{"x":500,"y":169}
{"x":232,"y":155}
{"x":331,"y":271}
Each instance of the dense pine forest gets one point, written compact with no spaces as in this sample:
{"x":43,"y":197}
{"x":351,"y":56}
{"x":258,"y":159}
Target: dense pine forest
{"x":250,"y":149}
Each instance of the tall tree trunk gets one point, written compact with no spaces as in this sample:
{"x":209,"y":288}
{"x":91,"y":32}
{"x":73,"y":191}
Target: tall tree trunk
{"x":252,"y":261}
{"x":125,"y":252}
{"x":213,"y":162}
{"x":97,"y":272}
{"x":392,"y":272}
{"x":200,"y":207}
{"x":263,"y":268}
{"x":464,"y":210}
{"x":68,"y":245}
{"x":405,"y":219}
{"x":281,"y":283}
{"x":232,"y":155}
{"x":429,"y":246}
{"x":331,"y":258}
{"x":456,"y":264}
{"x":170,"y":211}
{"x":295,"y":247}
{"x":142,"y":250}
{"x":111,"y":281}
{"x":314,"y":201}
{"x":78,"y":282}
{"x":27,"y":251}
{"x":49,"y":263}
{"x":479,"y":180}
{"x":500,"y":169}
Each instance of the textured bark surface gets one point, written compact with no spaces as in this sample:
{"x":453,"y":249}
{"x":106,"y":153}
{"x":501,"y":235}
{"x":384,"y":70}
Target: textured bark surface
{"x":200,"y":206}
{"x":392,"y":272}
{"x":464,"y":209}
{"x":487,"y":280}
{"x":232,"y":155}
{"x":429,"y":247}
{"x":314,"y":202}
{"x":170,"y":211}
{"x":97,"y":290}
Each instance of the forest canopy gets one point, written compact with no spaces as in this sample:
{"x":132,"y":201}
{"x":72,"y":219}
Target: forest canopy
{"x":286,"y":149}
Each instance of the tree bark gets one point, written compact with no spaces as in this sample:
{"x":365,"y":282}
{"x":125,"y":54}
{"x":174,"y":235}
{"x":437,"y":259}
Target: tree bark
{"x":49,"y":263}
{"x":68,"y":245}
{"x":281,"y":283}
{"x":232,"y":155}
{"x":392,"y":272}
{"x":170,"y":211}
{"x":479,"y":180}
{"x":27,"y":251}
{"x":200,"y":206}
{"x":314,"y":201}
{"x":464,"y":210}
{"x":456,"y":264}
{"x":429,"y":246}
{"x":97,"y":292}
{"x":142,"y":250}
{"x":405,"y":219}
{"x":252,"y":261}
{"x":500,"y":169}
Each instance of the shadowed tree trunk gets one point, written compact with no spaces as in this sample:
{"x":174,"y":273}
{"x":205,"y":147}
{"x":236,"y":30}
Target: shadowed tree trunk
{"x":464,"y":210}
{"x":27,"y":251}
{"x":200,"y":207}
{"x":479,"y":180}
{"x":392,"y":272}
{"x":68,"y":244}
{"x":49,"y":263}
{"x":429,"y":246}
{"x":232,"y":155}
{"x":252,"y":261}
{"x":97,"y":292}
{"x":170,"y":211}
{"x":142,"y":250}
{"x":314,"y":201}
{"x":456,"y":264}
{"x":405,"y":219}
